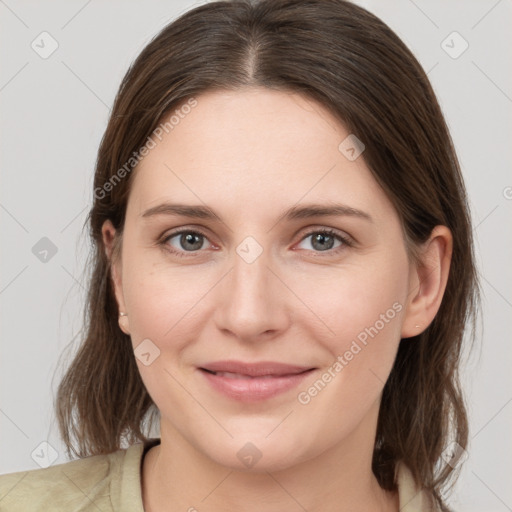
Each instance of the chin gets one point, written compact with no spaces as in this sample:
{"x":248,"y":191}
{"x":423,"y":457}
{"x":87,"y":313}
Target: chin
{"x":255,"y":454}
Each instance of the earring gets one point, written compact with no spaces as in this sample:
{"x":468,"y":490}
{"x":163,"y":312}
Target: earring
{"x":125,"y":314}
{"x":417,"y":326}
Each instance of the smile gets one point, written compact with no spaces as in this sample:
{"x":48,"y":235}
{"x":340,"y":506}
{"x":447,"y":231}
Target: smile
{"x":246,"y":388}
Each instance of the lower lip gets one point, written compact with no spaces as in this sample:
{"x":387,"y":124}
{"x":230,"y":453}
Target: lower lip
{"x":254,"y":389}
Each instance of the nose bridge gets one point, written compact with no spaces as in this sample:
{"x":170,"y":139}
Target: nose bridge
{"x":250,"y":301}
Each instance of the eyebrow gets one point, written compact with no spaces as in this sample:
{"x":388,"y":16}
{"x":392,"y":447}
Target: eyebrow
{"x":295,"y":212}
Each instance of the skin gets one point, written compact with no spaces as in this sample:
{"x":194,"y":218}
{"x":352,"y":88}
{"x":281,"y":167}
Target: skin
{"x":249,"y":155}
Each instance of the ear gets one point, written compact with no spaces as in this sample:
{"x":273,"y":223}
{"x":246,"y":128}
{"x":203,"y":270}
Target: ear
{"x":427,"y":282}
{"x":108,"y":233}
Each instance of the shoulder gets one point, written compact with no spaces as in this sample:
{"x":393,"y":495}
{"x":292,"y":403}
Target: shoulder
{"x":82,"y":484}
{"x":412,"y":498}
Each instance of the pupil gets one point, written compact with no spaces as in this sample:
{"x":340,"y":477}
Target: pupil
{"x":321,"y":239}
{"x":189,"y":238}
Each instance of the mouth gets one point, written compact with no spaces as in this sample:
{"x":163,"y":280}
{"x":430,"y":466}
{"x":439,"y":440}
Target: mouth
{"x":234,"y":369}
{"x":231,"y":375}
{"x":242,"y":387}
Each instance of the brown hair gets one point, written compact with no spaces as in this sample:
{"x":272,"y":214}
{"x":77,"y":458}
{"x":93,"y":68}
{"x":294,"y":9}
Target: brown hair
{"x":344,"y":57}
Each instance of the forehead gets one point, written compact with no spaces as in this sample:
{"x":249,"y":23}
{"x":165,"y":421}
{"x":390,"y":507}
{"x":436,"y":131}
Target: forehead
{"x":254,"y":147}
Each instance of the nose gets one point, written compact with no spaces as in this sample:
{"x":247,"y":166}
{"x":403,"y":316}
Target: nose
{"x":251,"y":300}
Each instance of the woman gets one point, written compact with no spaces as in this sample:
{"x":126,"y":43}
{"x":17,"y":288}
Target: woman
{"x":282,"y":275}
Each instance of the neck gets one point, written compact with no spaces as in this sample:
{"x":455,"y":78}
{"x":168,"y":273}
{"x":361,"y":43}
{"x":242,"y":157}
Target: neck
{"x":176,"y":476}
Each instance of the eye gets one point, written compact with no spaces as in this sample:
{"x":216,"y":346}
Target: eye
{"x":324,"y":239}
{"x":191,"y":241}
{"x":186,"y":241}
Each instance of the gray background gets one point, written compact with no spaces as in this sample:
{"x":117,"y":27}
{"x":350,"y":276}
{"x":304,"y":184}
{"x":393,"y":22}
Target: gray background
{"x":53,"y":114}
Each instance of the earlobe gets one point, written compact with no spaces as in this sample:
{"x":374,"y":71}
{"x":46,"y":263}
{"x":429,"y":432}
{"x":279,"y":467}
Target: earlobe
{"x":124,"y":323}
{"x":428,"y":282}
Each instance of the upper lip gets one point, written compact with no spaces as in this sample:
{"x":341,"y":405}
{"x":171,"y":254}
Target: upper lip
{"x":255,"y":369}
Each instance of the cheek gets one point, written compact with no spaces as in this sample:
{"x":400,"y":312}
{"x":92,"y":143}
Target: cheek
{"x":160,"y":298}
{"x":163,"y":304}
{"x":361,"y":309}
{"x":364,"y":311}
{"x":354,"y":299}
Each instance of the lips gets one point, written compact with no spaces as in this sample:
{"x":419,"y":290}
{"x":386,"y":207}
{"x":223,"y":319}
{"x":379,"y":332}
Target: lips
{"x":230,"y":375}
{"x":238,"y":369}
{"x":253,"y":382}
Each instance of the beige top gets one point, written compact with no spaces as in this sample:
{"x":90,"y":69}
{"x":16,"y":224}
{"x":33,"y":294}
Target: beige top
{"x":113,"y":483}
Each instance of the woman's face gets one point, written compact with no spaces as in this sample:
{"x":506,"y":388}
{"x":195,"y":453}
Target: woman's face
{"x":255,"y":283}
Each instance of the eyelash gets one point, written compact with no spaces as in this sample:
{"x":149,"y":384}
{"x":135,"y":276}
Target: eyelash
{"x":327,"y":231}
